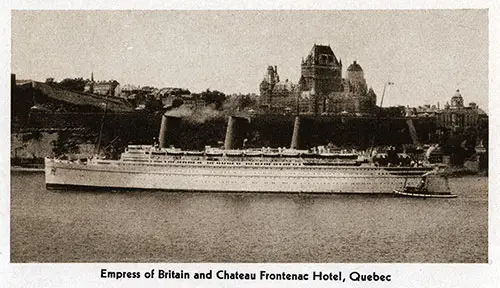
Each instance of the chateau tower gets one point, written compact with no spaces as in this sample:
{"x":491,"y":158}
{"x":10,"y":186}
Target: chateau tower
{"x":356,"y":79}
{"x":321,"y":70}
{"x":267,"y":86}
{"x":321,"y":73}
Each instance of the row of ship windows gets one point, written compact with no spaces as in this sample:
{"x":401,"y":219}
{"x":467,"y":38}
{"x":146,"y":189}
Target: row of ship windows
{"x":258,"y":163}
{"x":295,"y":183}
{"x":236,"y":163}
{"x":219,"y":163}
{"x":161,"y":168}
{"x":246,"y":164}
{"x":142,"y":156}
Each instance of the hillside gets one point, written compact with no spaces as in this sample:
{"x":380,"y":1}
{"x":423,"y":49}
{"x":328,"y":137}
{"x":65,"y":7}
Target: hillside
{"x":51,"y":98}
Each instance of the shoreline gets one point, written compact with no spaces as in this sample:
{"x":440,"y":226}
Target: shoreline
{"x":31,"y":168}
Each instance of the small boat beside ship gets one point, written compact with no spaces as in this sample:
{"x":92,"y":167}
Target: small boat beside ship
{"x":422,"y":194}
{"x":422,"y":190}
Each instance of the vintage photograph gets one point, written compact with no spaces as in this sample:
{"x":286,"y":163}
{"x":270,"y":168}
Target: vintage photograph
{"x":249,"y":136}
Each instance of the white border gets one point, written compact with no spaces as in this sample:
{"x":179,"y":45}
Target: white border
{"x":403,"y":275}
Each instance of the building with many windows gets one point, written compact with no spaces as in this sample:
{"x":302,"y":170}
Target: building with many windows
{"x":324,"y":91}
{"x":457,"y":116}
{"x":111,"y":87}
{"x":321,"y":89}
{"x":275,"y":95}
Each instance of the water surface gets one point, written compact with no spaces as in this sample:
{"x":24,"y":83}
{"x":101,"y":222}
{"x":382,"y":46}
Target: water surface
{"x":79,"y":226}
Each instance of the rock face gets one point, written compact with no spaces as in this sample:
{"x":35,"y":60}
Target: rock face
{"x":28,"y":145}
{"x":31,"y":147}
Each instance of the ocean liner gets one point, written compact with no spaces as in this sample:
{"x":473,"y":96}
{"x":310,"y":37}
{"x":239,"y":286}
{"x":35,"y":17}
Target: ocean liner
{"x":234,"y":169}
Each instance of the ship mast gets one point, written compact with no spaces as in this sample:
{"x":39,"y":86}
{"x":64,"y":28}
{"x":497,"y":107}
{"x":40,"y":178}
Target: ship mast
{"x":380,"y":113}
{"x":98,"y":148}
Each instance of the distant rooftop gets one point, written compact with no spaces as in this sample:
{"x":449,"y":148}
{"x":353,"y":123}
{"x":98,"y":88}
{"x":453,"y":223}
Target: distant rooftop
{"x":23,"y":81}
{"x":321,"y":49}
{"x":354,"y":67}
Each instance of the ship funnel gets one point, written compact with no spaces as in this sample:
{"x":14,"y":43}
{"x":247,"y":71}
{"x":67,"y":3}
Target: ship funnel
{"x":236,"y":132}
{"x":300,"y":137}
{"x":169,"y":131}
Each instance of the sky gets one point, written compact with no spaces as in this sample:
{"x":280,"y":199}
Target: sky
{"x":427,"y":54}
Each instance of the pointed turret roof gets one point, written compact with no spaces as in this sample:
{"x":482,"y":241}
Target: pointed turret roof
{"x":318,"y":50}
{"x":354,"y":67}
{"x":321,"y":49}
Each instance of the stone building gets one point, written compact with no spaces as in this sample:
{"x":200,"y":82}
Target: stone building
{"x":426,"y":110}
{"x":457,"y":116}
{"x":321,"y":89}
{"x":321,"y":71}
{"x":275,"y":95}
{"x":356,"y":82}
{"x":192,"y":101}
{"x":129,"y":91}
{"x":111,"y":87}
{"x":324,"y":91}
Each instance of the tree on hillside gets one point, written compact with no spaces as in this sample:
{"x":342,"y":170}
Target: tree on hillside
{"x":179,"y":92}
{"x":213,"y":97}
{"x":76,"y":84}
{"x":152,"y":104}
{"x":65,"y":144}
{"x":177,"y":102}
{"x":240,"y":102}
{"x":247,"y":101}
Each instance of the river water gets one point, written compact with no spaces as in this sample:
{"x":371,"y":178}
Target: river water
{"x":78,"y":226}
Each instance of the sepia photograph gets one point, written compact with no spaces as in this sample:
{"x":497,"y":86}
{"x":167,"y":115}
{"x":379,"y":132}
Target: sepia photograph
{"x":278,"y":136}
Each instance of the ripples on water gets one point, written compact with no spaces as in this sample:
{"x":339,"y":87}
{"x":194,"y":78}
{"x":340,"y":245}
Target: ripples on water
{"x":77,"y":226}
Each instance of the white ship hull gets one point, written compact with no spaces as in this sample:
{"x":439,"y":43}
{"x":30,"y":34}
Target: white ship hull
{"x":230,"y":177}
